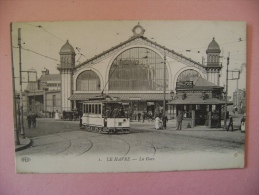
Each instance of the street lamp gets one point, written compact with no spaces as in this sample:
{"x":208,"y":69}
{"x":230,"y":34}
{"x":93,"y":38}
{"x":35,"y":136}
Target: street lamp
{"x":17,"y":114}
{"x":226,"y":96}
{"x":164,"y":84}
{"x":45,"y":89}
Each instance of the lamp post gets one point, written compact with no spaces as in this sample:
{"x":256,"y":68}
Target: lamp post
{"x":17,"y":114}
{"x":15,"y":100}
{"x":164,"y":84}
{"x":226,"y":96}
{"x":45,"y":89}
{"x":20,"y":70}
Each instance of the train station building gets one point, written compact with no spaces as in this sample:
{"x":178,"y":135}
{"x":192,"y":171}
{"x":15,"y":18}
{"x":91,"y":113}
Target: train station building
{"x":138,"y":71}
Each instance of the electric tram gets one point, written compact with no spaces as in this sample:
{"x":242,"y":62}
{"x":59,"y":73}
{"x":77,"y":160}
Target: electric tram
{"x":105,"y":114}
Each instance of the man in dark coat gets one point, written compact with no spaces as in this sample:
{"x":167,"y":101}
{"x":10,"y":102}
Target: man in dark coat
{"x":33,"y":120}
{"x":139,"y":115}
{"x":179,"y":121}
{"x":165,"y":119}
{"x":29,"y":119}
{"x":80,"y":114}
{"x":230,"y":123}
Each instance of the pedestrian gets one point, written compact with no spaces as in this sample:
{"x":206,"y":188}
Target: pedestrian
{"x":139,"y":115}
{"x":179,"y":121}
{"x":29,"y":119}
{"x":33,"y":120}
{"x":161,"y":123}
{"x":144,"y":116}
{"x":165,"y":119}
{"x":243,"y":123}
{"x":80,"y":114}
{"x":230,"y":123}
{"x":157,"y":123}
{"x":56,"y":115}
{"x":150,"y":115}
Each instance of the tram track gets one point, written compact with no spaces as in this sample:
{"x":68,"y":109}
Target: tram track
{"x":70,"y":144}
{"x":127,"y":144}
{"x":153,"y":146}
{"x":88,"y":149}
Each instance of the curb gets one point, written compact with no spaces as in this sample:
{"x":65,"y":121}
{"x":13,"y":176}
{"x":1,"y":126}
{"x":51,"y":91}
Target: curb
{"x":24,"y":147}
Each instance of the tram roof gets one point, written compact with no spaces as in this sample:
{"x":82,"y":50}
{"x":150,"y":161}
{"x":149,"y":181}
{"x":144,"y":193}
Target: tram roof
{"x":102,"y":101}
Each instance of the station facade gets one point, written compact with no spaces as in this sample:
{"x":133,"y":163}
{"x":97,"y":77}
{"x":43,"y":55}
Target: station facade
{"x":135,"y":71}
{"x":139,"y":72}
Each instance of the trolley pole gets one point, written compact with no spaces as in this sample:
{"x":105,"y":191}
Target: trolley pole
{"x":226,"y":97}
{"x":16,"y":129}
{"x":164,"y":84}
{"x":20,"y":70}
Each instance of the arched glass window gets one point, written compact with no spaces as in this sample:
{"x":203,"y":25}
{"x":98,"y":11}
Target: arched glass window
{"x":188,"y":75}
{"x":138,"y":69}
{"x":88,"y":81}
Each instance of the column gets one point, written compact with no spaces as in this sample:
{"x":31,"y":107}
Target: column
{"x":193,"y":117}
{"x":209,"y":119}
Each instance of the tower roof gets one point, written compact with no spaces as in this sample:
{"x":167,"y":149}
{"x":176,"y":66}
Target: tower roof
{"x":67,"y":49}
{"x":213,"y":47}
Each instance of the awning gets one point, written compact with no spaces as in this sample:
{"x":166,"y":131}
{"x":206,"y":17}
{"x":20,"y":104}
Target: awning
{"x":123,"y":96}
{"x":198,"y":100}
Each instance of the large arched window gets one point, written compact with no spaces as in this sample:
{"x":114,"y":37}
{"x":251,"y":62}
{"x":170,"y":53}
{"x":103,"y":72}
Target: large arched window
{"x":138,"y":69}
{"x":188,"y":75}
{"x":88,"y":81}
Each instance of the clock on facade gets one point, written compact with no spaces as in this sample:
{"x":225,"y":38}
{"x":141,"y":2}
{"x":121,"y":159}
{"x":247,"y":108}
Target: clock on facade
{"x":138,"y":30}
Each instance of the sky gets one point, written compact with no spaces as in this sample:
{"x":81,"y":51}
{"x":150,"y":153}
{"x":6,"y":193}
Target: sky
{"x":42,"y":41}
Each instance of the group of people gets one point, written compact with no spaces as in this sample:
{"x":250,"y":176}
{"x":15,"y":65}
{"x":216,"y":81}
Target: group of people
{"x":145,"y":116}
{"x":160,"y":122}
{"x":242,"y":123}
{"x":31,"y":118}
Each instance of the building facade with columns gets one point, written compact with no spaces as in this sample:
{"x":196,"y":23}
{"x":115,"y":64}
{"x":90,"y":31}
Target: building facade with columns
{"x":136,"y":71}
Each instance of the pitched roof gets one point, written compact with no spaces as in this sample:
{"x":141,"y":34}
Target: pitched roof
{"x":163,"y":49}
{"x":50,"y":77}
{"x":202,"y":82}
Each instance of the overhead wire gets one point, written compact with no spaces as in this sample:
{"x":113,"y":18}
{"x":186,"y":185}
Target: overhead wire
{"x":42,"y":28}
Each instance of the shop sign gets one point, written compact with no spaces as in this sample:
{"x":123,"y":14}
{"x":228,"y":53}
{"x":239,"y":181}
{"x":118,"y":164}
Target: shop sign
{"x":184,"y":85}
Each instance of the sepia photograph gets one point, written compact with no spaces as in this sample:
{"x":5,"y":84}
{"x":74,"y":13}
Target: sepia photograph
{"x":128,"y":95}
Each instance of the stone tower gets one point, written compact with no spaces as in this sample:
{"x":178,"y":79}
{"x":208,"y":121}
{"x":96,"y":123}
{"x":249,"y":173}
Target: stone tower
{"x":67,"y":59}
{"x":213,"y":63}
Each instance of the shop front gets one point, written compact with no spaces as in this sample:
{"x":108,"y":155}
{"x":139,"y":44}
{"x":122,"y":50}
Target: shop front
{"x":201,"y":104}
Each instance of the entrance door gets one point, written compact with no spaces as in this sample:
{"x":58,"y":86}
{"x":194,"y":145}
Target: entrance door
{"x":201,"y":115}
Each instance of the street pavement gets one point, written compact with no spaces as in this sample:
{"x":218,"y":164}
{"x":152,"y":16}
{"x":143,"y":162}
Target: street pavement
{"x":57,"y":133}
{"x":167,"y":149}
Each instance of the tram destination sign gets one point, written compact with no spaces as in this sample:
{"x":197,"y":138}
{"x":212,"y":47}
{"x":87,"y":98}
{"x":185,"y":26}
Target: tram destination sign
{"x":184,"y":85}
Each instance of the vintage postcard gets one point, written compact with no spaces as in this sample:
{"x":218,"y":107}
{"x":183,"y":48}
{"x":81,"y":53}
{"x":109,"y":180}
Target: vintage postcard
{"x":129,"y":96}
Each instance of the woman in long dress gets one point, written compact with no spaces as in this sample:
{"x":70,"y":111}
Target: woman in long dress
{"x":157,"y":122}
{"x":243,"y":123}
{"x":56,"y":115}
